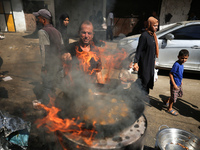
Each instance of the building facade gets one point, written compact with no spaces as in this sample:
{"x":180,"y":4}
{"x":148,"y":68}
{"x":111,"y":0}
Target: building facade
{"x":12,"y":18}
{"x":16,"y":15}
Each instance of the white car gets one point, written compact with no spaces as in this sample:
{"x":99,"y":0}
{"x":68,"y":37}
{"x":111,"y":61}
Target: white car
{"x":182,"y":35}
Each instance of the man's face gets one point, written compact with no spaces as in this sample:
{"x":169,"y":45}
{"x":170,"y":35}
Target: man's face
{"x":86,"y":33}
{"x":40,"y":19}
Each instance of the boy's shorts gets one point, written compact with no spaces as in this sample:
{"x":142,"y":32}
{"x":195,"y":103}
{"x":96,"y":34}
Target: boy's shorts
{"x":176,"y":93}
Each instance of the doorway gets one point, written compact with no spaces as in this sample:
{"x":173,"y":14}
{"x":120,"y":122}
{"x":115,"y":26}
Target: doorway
{"x":6,"y":16}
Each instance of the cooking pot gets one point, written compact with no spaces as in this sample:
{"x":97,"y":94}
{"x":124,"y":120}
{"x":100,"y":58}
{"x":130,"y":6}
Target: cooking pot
{"x":176,"y":139}
{"x":135,"y":109}
{"x":131,"y":138}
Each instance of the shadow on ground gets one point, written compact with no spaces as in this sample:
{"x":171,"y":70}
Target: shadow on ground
{"x":148,"y":148}
{"x":3,"y":92}
{"x":181,"y":106}
{"x":33,"y":35}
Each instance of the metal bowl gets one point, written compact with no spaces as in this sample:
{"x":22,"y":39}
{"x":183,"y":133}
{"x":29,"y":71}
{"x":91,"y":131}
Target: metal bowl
{"x":176,"y":139}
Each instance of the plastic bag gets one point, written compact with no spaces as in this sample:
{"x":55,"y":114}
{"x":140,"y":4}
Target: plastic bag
{"x":155,"y":75}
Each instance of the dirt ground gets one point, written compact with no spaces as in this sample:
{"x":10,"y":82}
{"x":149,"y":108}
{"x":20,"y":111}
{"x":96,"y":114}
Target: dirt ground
{"x":21,"y":56}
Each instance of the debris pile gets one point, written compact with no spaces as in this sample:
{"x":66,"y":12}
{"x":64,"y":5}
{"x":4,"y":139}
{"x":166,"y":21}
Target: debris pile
{"x":14,"y":132}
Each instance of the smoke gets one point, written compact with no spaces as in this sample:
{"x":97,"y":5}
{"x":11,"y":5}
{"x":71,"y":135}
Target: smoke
{"x":112,"y":107}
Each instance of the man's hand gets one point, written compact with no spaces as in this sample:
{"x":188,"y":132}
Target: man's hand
{"x":135,"y":67}
{"x":66,"y":57}
{"x":100,"y":78}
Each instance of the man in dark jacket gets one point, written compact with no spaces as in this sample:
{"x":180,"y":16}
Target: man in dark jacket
{"x":83,"y":49}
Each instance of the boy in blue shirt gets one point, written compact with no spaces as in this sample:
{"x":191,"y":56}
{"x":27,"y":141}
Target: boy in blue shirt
{"x":176,"y":76}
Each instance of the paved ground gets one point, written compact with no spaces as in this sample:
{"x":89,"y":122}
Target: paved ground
{"x":21,"y":56}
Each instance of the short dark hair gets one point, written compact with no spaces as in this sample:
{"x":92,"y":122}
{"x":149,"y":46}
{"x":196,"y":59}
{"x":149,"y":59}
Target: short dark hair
{"x":85,"y":22}
{"x":183,"y":52}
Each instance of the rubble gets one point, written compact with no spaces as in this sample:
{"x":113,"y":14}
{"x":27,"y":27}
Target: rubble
{"x":14,"y":132}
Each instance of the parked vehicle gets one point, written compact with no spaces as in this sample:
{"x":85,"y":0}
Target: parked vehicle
{"x":182,"y":35}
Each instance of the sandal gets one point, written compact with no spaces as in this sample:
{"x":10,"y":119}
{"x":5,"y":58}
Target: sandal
{"x":173,"y":112}
{"x":166,"y":103}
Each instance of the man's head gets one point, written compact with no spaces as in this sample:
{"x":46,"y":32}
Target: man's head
{"x":43,"y":15}
{"x":86,"y":32}
{"x":183,"y":56}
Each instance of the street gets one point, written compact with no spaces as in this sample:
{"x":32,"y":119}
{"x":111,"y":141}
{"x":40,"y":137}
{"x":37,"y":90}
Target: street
{"x":21,"y":56}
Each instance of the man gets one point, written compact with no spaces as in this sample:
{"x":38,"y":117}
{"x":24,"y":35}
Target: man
{"x":86,"y":46}
{"x":110,"y":23}
{"x":50,"y":41}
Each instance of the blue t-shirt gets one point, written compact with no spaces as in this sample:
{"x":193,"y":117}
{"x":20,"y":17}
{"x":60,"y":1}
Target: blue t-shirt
{"x":177,"y":71}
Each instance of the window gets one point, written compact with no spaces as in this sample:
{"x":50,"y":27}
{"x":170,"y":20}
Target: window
{"x":187,"y":33}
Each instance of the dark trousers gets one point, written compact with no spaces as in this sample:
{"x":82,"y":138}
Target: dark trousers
{"x":109,"y":33}
{"x":49,"y":83}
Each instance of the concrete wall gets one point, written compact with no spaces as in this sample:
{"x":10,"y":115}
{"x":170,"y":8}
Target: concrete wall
{"x":51,"y":7}
{"x":78,"y":11}
{"x":18,"y":14}
{"x":177,"y":8}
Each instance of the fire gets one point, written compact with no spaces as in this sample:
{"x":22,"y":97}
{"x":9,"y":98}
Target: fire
{"x":74,"y":127}
{"x":85,"y":59}
{"x":112,"y":60}
{"x":53,"y":123}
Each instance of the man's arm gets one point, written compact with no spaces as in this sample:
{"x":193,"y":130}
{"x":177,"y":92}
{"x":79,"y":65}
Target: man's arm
{"x":42,"y":51}
{"x":43,"y":41}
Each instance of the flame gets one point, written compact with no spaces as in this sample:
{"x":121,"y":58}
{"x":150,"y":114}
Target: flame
{"x":112,"y":59}
{"x":53,"y":123}
{"x":85,"y":59}
{"x":75,"y":129}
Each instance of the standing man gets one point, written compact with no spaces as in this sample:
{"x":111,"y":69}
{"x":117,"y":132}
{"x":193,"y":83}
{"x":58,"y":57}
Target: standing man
{"x":110,"y":24}
{"x":50,"y":41}
{"x":83,"y":49}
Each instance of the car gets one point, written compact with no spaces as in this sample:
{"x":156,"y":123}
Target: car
{"x":177,"y":36}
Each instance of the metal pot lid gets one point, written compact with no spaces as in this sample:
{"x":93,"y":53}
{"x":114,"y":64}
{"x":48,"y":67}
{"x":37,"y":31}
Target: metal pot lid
{"x":126,"y":137}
